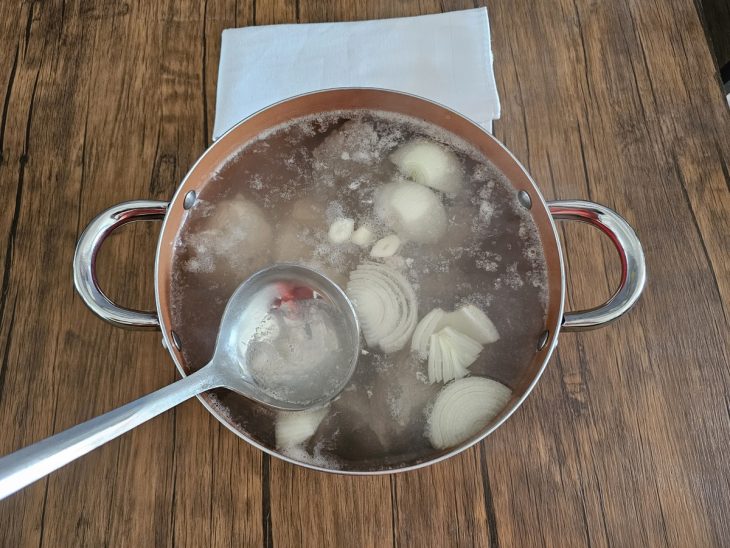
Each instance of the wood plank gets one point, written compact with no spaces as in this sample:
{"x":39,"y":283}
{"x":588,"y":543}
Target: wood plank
{"x":622,"y":443}
{"x":634,"y":456}
{"x":161,"y":475}
{"x":314,"y":509}
{"x":448,"y":504}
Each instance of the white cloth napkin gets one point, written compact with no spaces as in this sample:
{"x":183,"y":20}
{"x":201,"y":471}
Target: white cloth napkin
{"x":444,"y":57}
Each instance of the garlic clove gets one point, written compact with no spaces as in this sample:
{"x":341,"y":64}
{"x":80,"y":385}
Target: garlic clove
{"x":363,"y":236}
{"x":341,"y":230}
{"x":385,"y":247}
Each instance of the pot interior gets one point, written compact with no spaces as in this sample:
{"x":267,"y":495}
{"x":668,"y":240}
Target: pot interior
{"x":268,"y":191}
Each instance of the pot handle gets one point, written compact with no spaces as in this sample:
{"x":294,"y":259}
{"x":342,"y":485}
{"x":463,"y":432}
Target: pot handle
{"x":84,"y":264}
{"x":633,"y":266}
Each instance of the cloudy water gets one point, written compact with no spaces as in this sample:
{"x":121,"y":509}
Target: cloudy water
{"x":277,"y":200}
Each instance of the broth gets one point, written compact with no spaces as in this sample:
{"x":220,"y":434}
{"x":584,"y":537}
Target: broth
{"x":274,"y":201}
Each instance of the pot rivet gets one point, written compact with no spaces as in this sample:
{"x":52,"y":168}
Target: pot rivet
{"x":524,"y":198}
{"x":542,"y":341}
{"x":189,"y":199}
{"x":176,"y":341}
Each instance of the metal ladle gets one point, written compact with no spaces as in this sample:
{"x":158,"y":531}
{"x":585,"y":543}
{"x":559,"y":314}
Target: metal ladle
{"x":247,"y":308}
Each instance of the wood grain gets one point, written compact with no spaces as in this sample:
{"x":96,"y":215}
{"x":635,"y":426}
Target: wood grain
{"x":623,"y":443}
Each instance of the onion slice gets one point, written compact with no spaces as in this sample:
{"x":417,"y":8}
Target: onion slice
{"x":463,"y":408}
{"x":450,"y":355}
{"x":425,"y":328}
{"x":363,"y":236}
{"x":429,"y":164}
{"x":459,"y":338}
{"x":435,"y":360}
{"x":295,"y":427}
{"x":386,"y":305}
{"x":471,"y":321}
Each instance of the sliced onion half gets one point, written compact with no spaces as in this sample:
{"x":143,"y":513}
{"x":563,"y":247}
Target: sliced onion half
{"x":463,"y":408}
{"x":386,"y":305}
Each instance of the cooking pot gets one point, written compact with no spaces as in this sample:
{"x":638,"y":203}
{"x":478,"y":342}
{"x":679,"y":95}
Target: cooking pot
{"x":544,"y":215}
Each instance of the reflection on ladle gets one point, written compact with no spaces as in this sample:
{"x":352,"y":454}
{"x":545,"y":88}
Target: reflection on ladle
{"x":289,"y":338}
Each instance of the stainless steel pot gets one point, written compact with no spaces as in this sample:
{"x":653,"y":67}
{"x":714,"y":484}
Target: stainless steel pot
{"x":173,"y":214}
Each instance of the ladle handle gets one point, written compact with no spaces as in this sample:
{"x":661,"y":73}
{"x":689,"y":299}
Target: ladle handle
{"x":36,"y":461}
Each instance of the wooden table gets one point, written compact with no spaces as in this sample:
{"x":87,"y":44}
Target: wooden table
{"x":626,"y":440}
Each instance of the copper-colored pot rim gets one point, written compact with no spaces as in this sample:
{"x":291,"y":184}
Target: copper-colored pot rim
{"x":384,"y":100}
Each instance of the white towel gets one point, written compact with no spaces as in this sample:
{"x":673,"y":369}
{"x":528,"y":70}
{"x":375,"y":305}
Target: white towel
{"x":445,"y":57}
